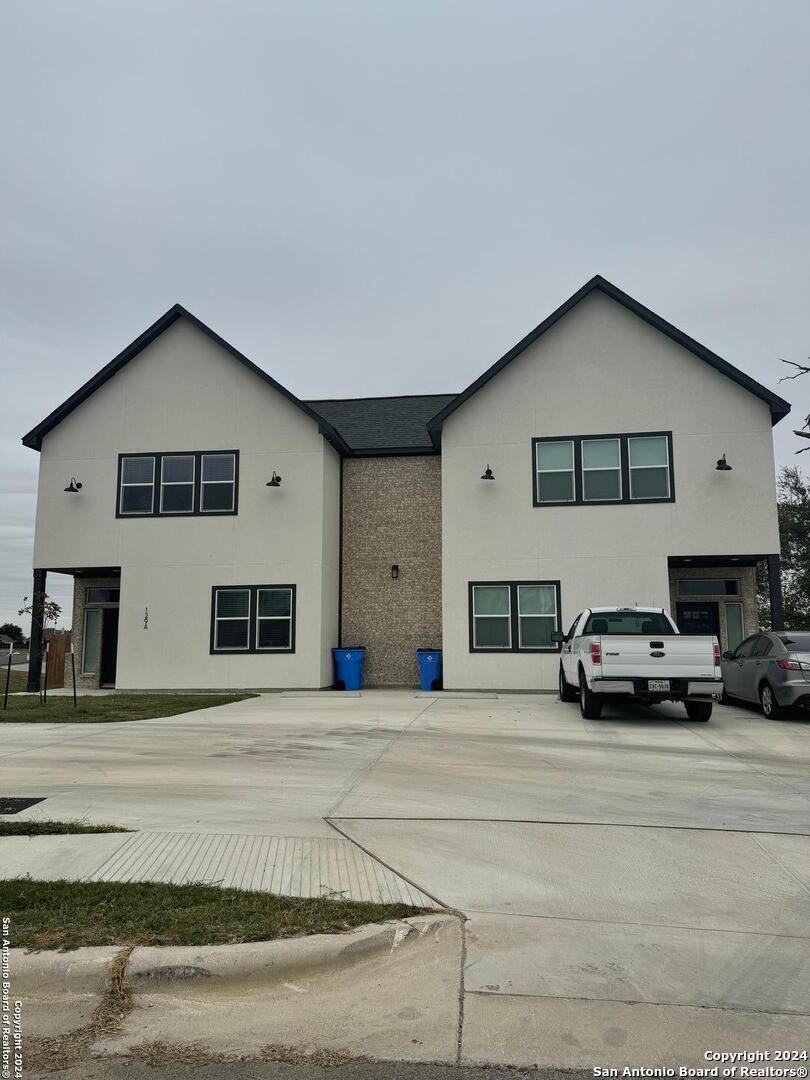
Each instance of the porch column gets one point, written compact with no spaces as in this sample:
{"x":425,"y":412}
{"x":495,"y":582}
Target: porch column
{"x":775,"y":589}
{"x":37,"y":635}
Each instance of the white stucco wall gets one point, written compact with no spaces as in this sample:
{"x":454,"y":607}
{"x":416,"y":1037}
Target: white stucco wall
{"x":599,"y":370}
{"x":184,"y":392}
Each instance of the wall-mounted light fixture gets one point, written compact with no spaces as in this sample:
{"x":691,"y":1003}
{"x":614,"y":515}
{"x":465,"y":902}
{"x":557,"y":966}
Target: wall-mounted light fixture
{"x":274,"y":481}
{"x":488,"y":474}
{"x":395,"y":571}
{"x":722,"y":465}
{"x":74,"y":485}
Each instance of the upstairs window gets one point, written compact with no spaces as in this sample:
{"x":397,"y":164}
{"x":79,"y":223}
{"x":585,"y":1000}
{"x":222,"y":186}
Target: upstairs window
{"x":649,"y":467}
{"x":253,"y":618}
{"x":218,"y":491}
{"x":601,"y":470}
{"x":178,"y":484}
{"x":137,"y":485}
{"x":588,"y":470}
{"x":555,"y":471}
{"x":514,"y":616}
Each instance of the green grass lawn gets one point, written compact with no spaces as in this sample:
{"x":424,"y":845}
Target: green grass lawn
{"x":18,"y":681}
{"x":99,"y":710}
{"x":53,"y":828}
{"x":70,"y":914}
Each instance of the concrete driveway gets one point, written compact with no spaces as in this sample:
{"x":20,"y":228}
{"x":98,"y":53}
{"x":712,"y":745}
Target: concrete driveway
{"x":637,"y":888}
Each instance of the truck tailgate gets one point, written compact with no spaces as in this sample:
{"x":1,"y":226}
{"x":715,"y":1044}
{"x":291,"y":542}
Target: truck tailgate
{"x":686,"y":656}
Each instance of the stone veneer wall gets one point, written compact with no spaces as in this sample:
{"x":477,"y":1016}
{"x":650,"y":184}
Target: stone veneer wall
{"x":392,"y":516}
{"x":80,"y":584}
{"x":747,"y":577}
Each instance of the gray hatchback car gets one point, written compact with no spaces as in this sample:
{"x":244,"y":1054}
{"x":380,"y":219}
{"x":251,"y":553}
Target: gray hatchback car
{"x":772,"y":668}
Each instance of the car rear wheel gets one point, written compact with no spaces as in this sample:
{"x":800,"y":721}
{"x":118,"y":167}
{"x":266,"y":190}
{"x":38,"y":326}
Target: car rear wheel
{"x":567,"y":693}
{"x":770,"y":706}
{"x":698,"y":711}
{"x":589,"y":704}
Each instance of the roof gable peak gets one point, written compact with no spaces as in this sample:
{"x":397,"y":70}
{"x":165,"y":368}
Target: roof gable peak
{"x":168,"y":318}
{"x":778,"y":406}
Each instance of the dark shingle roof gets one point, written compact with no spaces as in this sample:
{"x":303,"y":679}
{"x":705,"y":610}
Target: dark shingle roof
{"x":382,"y":424}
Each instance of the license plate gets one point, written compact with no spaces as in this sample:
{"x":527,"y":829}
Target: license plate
{"x":658,"y":684}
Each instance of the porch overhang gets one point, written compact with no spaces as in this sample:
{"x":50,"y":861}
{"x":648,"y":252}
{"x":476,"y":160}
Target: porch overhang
{"x":698,"y":561}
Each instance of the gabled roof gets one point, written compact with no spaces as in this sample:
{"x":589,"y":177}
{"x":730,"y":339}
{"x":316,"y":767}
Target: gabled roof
{"x":36,"y":434}
{"x":778,"y":406}
{"x":384,"y":425}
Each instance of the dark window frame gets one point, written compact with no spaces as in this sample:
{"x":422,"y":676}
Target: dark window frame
{"x":157,"y":485}
{"x":624,"y":457}
{"x":90,"y":602}
{"x":514,"y":646}
{"x":253,"y":649}
{"x":724,"y":592}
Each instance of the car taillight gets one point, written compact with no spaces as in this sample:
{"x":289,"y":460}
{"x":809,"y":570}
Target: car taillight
{"x":786,"y":664}
{"x":596,"y":652}
{"x":716,"y":655}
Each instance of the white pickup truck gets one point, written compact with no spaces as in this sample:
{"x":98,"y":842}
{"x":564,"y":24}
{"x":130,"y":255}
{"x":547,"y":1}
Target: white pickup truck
{"x":639,"y":653}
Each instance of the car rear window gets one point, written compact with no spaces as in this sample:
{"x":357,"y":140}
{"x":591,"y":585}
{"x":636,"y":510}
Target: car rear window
{"x":796,"y":642}
{"x":627,"y":622}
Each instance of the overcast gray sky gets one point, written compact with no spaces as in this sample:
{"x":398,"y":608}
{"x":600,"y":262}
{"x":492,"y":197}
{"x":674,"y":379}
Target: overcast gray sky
{"x":381,"y":198}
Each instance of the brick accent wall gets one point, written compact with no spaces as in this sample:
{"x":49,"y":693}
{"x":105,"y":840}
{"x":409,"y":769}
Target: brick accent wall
{"x":392,"y":513}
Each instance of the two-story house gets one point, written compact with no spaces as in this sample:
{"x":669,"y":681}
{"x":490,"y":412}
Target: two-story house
{"x":223,"y":533}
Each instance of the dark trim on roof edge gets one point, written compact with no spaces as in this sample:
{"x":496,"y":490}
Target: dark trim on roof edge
{"x":372,"y":397}
{"x":36,"y":434}
{"x":778,"y":406}
{"x":394,"y":451}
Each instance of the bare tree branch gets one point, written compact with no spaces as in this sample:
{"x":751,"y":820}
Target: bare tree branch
{"x":802,"y":370}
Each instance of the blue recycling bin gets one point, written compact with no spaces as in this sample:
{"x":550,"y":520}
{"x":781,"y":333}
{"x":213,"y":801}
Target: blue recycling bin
{"x":349,"y":667}
{"x":430,"y":667}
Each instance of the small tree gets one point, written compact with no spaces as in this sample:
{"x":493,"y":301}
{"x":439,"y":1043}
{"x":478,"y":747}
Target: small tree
{"x":51,"y":611}
{"x":11,"y":630}
{"x":793,"y":499}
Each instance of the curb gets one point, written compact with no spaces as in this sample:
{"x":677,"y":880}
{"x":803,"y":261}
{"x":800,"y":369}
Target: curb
{"x":161,"y":968}
{"x":82,"y":971}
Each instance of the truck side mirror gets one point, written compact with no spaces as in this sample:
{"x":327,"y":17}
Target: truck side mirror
{"x":557,"y":636}
{"x":728,"y":655}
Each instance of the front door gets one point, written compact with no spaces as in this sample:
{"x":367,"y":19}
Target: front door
{"x":698,"y":617}
{"x":109,"y":646}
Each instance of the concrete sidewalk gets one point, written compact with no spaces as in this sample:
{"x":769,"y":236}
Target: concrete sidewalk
{"x":284,"y":865}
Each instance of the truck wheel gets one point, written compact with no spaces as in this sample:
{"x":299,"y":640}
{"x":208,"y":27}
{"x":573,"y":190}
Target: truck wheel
{"x":589,"y":704}
{"x":698,"y":711}
{"x":567,"y":693}
{"x":770,"y":706}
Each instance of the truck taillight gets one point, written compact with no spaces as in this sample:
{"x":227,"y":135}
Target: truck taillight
{"x":596,"y":652}
{"x":716,"y":655}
